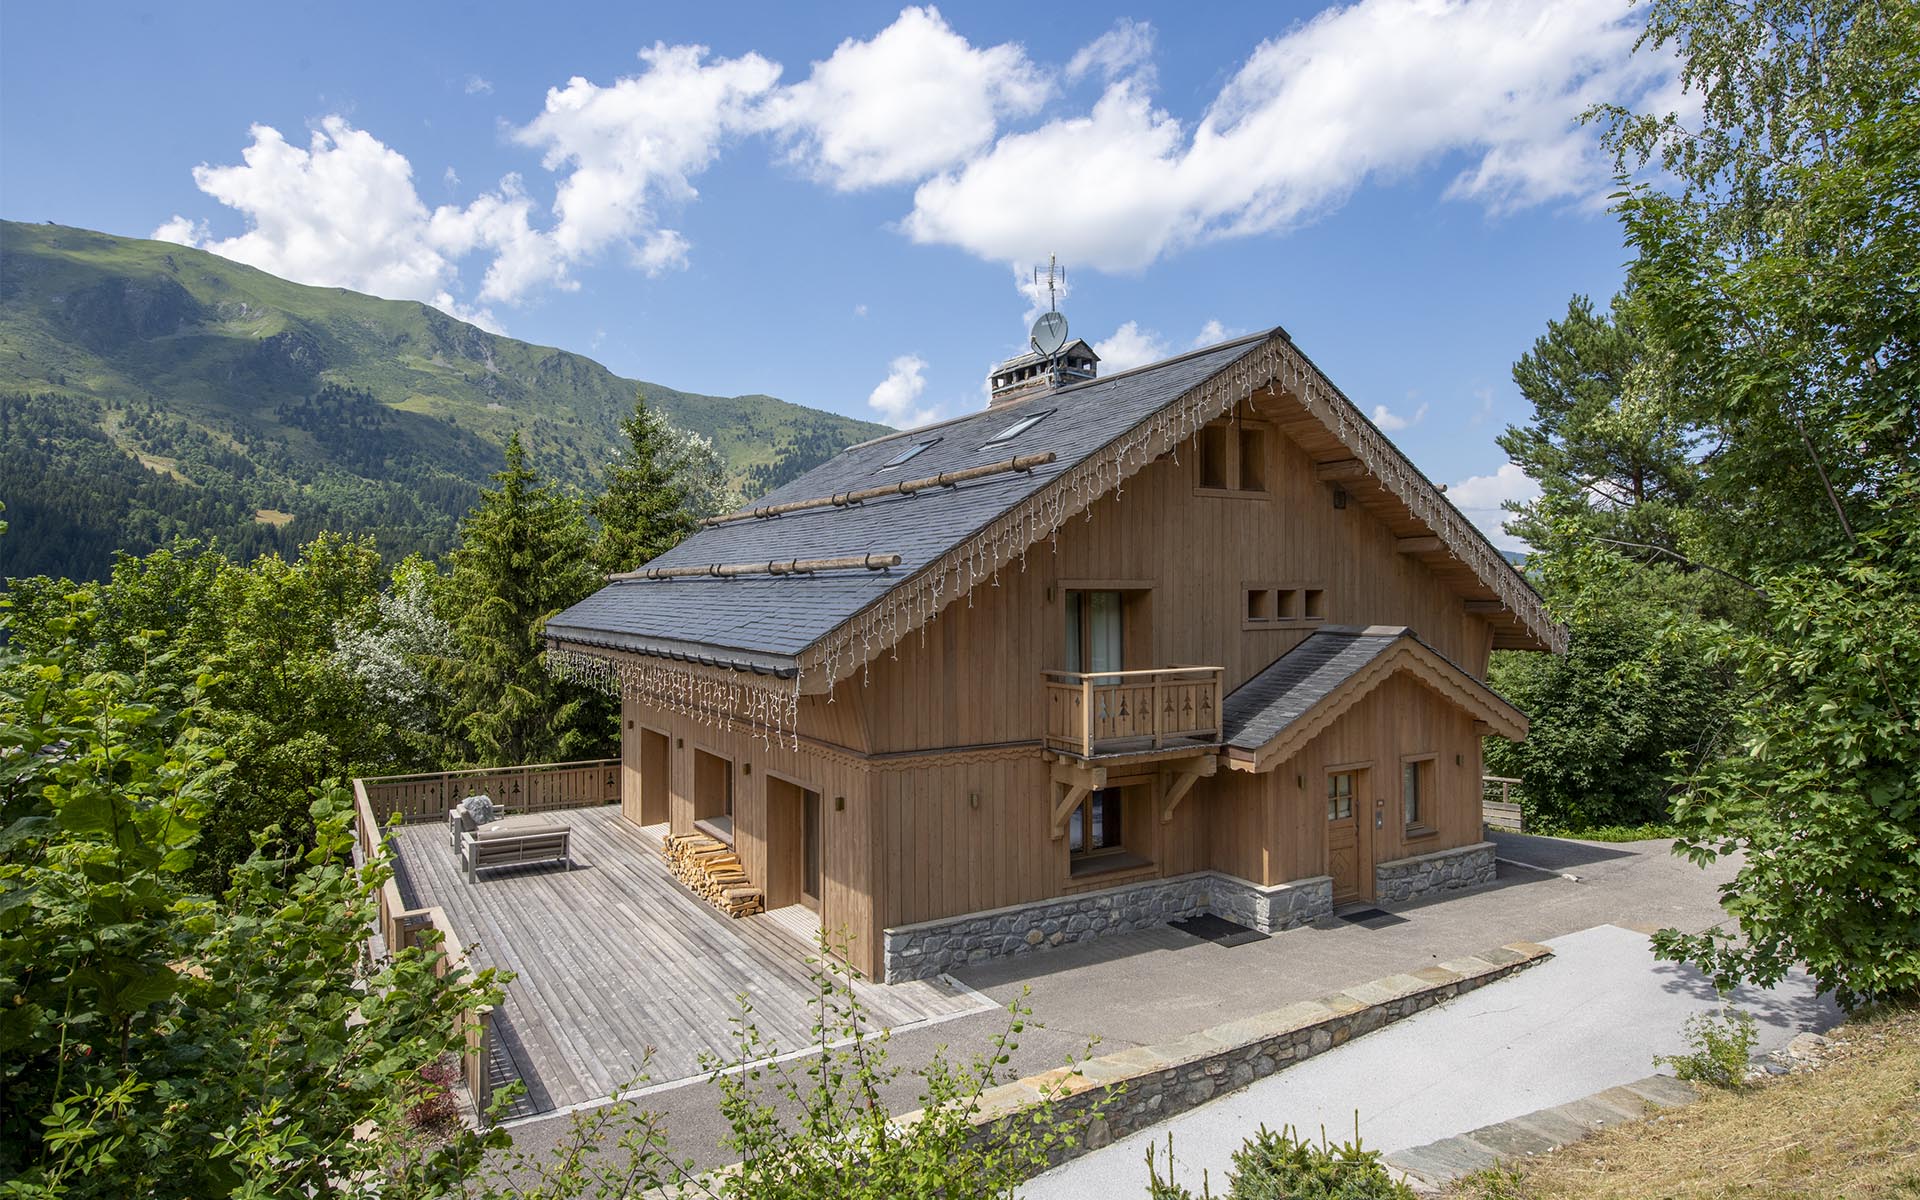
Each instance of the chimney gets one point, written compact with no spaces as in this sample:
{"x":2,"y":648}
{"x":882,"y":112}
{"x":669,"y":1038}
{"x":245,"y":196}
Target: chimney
{"x":1035,"y":374}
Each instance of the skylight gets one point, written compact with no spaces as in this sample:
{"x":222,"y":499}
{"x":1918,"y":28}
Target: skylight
{"x":1017,"y":428}
{"x":908,"y":453}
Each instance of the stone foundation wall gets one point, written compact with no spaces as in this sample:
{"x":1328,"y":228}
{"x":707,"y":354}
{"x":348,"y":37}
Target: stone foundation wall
{"x":931,"y":947}
{"x":1271,"y":909}
{"x":1453,"y":870}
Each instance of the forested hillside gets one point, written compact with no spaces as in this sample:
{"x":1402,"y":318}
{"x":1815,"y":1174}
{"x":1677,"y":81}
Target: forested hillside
{"x":148,"y":390}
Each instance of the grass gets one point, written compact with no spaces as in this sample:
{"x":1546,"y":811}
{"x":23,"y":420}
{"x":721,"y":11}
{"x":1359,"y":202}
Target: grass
{"x":1850,"y":1129}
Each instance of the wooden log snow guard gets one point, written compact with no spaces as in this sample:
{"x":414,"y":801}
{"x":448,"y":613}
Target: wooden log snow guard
{"x":778,"y":566}
{"x":712,"y":871}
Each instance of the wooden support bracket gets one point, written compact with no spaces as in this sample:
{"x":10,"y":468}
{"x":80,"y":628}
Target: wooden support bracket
{"x":1484,"y":607}
{"x":1072,"y":784}
{"x":1340,"y":469}
{"x":1180,"y":781}
{"x":1420,"y":545}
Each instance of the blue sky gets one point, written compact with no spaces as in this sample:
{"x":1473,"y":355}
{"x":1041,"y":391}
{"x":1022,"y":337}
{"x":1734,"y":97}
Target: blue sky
{"x":836,"y":206}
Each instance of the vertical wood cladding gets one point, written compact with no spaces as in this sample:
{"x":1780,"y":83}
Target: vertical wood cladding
{"x":936,"y":800}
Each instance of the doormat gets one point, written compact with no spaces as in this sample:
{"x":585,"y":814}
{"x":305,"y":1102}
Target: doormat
{"x":1371,"y":918}
{"x":1218,"y":930}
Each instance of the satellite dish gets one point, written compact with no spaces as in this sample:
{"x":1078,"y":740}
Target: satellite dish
{"x":1049,"y":333}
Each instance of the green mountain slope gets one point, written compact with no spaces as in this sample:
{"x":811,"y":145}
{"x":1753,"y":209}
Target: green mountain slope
{"x":149,"y":390}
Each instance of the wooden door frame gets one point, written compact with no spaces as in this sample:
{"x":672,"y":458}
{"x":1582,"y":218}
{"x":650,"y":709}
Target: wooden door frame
{"x":797,"y":851}
{"x":662,"y":804}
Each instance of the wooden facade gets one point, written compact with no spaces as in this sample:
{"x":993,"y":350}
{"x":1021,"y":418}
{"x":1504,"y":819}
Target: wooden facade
{"x":942,"y":779}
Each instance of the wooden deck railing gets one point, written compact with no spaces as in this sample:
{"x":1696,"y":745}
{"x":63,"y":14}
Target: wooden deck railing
{"x":1115,"y":712}
{"x":1503,"y":812}
{"x":536,"y":788}
{"x":400,"y":928}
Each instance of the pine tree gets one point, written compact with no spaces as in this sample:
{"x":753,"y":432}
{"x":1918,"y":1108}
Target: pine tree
{"x":644,"y":510}
{"x":524,"y":554}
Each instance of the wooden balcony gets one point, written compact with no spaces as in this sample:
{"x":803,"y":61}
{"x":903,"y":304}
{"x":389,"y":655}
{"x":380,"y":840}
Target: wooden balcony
{"x":1094,"y":714}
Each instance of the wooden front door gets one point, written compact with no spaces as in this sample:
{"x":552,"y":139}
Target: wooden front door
{"x":1349,"y":837}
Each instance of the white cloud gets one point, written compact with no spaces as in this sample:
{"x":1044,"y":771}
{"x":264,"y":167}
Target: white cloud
{"x":1125,"y":48}
{"x":179,"y":229}
{"x":1131,"y":346}
{"x":914,"y":99}
{"x":1213,"y":333}
{"x":344,"y":211}
{"x":1392,"y":422}
{"x":340,"y":213}
{"x":476,"y":86}
{"x":1128,"y":347}
{"x":894,"y":399}
{"x":1372,"y":90}
{"x":1480,"y":497}
{"x":633,"y":145}
{"x":859,"y":310}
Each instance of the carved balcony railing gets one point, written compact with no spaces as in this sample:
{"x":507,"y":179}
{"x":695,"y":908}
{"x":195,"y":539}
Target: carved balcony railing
{"x":1094,"y":713}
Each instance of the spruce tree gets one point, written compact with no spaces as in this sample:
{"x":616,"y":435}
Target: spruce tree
{"x":644,"y":510}
{"x":524,"y":555}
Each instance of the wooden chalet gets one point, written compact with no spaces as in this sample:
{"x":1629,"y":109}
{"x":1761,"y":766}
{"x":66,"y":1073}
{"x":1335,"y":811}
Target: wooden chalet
{"x":1189,"y":638}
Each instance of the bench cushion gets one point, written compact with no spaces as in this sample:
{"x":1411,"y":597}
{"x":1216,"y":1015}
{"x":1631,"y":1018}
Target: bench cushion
{"x":515,"y":826}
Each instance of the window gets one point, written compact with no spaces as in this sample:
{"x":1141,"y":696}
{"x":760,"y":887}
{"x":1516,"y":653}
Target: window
{"x":1017,"y":428}
{"x":909,"y":452}
{"x":1216,"y":470}
{"x":1233,"y":457}
{"x":1095,"y":825}
{"x":1253,"y":458}
{"x":1340,"y":796}
{"x":1096,"y":632}
{"x":1276,"y":606}
{"x":1416,"y":783}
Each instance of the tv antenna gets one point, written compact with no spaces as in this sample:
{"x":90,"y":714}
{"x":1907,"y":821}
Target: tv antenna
{"x":1050,"y":331}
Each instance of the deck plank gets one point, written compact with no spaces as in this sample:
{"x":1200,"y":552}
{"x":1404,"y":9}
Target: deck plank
{"x":615,"y":956}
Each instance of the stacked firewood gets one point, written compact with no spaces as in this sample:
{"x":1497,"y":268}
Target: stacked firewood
{"x":712,"y":871}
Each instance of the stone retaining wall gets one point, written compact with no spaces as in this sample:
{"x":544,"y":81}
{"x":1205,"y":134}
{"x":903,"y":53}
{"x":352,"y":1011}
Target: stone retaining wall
{"x":1442,"y":871}
{"x":929,"y":948}
{"x":1133,"y":1089}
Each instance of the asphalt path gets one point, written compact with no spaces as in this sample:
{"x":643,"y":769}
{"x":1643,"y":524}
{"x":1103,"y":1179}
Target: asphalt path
{"x":1591,"y":1018}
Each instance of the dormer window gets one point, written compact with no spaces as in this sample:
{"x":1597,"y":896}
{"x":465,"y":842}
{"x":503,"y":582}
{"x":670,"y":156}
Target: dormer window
{"x":1017,"y":428}
{"x":909,"y":452}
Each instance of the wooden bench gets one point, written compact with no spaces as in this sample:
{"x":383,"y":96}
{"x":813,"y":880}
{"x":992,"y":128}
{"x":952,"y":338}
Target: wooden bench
{"x":511,"y":848}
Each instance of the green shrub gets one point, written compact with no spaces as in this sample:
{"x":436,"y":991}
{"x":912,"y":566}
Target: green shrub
{"x":1283,"y":1166}
{"x":1721,"y":1047}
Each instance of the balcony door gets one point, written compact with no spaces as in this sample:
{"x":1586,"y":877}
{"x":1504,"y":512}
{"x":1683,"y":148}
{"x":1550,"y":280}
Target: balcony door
{"x":1096,"y":632}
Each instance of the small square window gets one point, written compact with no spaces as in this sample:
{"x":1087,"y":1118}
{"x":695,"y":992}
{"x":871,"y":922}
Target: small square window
{"x":1260,"y":604}
{"x":1315,"y":605}
{"x":1289,"y":604}
{"x":909,"y":452}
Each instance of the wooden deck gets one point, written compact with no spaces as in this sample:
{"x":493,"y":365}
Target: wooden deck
{"x":615,"y":956}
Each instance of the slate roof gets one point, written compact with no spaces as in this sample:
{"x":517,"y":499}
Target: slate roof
{"x":763,"y":623}
{"x":1262,"y":708}
{"x":1257,"y":711}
